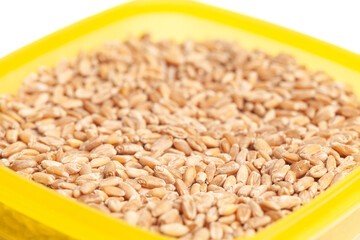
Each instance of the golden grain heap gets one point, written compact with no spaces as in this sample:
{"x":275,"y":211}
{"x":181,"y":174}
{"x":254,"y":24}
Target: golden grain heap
{"x":200,"y":140}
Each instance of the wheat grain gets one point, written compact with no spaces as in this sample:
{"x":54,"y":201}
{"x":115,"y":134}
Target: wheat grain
{"x":200,"y":140}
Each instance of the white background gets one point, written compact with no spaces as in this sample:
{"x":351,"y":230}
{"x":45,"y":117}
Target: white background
{"x":334,"y":21}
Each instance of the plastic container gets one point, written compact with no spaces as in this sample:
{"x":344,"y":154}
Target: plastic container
{"x":31,"y":211}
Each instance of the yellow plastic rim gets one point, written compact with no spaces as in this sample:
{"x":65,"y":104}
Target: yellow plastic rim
{"x":325,"y":217}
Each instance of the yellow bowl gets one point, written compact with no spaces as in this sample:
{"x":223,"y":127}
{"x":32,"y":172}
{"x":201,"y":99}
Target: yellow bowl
{"x":31,"y":211}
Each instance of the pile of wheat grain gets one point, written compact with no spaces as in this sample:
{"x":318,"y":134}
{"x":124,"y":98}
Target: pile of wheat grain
{"x":200,"y":140}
